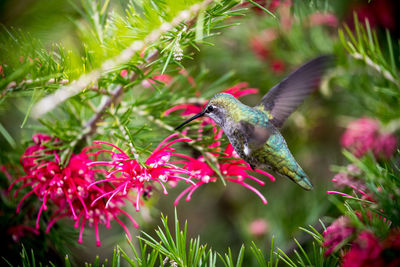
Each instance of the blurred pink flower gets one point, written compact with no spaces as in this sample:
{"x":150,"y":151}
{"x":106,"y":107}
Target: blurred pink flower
{"x":339,"y":231}
{"x":127,"y":174}
{"x":164,"y":78}
{"x":123,"y":73}
{"x":319,"y":18}
{"x":278,"y":66}
{"x":258,"y":227}
{"x":259,"y":48}
{"x":365,"y":251}
{"x":385,"y":146}
{"x":347,"y":179}
{"x":363,"y":135}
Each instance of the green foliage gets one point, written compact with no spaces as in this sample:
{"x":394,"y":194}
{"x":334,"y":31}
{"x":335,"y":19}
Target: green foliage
{"x":176,"y":249}
{"x":377,"y":85}
{"x":382,"y":181}
{"x":309,"y":257}
{"x":170,"y":250}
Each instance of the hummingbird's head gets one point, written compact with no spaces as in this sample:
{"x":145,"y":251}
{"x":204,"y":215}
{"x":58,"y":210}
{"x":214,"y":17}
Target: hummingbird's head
{"x":218,"y":109}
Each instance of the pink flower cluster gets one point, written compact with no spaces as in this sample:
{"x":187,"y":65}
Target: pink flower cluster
{"x":364,"y":135}
{"x":351,"y":178}
{"x":337,"y":233}
{"x":230,"y":166}
{"x":66,"y":188}
{"x":127,"y":174}
{"x":365,"y":248}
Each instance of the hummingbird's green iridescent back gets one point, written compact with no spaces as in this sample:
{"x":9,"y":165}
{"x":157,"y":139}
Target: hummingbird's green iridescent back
{"x":276,"y":154}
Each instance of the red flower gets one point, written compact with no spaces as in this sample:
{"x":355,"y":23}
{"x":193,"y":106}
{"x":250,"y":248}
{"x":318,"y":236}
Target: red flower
{"x":349,"y":178}
{"x":337,"y":233}
{"x":67,"y":188}
{"x":93,"y":212}
{"x":385,"y":146}
{"x":363,"y":135}
{"x":261,"y":43}
{"x":365,"y":251}
{"x":278,"y":66}
{"x":230,"y":166}
{"x":127,"y":174}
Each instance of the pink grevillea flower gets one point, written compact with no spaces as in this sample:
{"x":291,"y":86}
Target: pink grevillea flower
{"x":350,"y":179}
{"x":337,"y":234}
{"x":230,"y":166}
{"x":327,"y":19}
{"x":363,"y":135}
{"x":258,"y":227}
{"x":366,"y":250}
{"x":127,"y":174}
{"x":66,"y":188}
{"x":50,"y":181}
{"x":101,"y":212}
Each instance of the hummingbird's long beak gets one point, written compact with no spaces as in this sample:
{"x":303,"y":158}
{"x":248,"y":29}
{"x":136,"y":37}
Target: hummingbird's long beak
{"x":201,"y":114}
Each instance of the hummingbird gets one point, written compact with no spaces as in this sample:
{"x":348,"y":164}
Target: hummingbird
{"x":254,"y":131}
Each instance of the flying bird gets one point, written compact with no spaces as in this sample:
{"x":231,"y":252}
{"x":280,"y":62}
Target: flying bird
{"x":254,"y":131}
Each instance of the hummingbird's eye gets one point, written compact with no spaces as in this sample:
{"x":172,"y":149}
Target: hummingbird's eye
{"x":210,"y":108}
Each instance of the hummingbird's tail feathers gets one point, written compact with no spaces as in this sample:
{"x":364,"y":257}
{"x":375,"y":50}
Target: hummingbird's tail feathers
{"x":299,"y":177}
{"x":304,"y":183}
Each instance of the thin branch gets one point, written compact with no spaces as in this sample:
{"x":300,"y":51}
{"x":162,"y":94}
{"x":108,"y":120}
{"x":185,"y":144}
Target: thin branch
{"x":49,"y":102}
{"x":114,"y":98}
{"x":375,"y":66}
{"x":13,"y":85}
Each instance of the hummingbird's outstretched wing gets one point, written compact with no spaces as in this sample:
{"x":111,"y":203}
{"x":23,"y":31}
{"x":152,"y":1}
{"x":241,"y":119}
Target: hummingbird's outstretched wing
{"x":286,"y":96}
